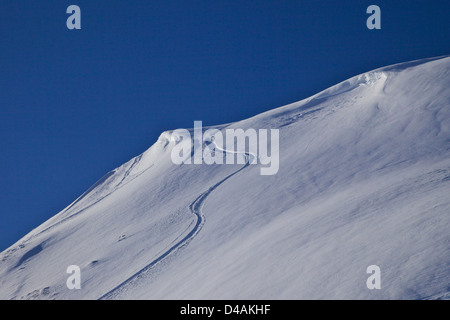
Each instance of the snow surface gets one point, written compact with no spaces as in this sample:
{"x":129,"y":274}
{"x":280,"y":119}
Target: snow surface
{"x":364,"y":179}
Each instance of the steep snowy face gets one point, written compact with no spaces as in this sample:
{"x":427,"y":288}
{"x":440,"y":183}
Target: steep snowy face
{"x":363,"y":179}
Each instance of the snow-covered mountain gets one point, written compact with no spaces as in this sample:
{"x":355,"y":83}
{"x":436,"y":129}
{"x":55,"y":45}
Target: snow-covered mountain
{"x":364,"y":179}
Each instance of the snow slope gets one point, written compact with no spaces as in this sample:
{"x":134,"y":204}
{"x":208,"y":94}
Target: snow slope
{"x":364,"y":179}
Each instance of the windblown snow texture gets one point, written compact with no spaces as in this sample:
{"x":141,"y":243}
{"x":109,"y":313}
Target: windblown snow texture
{"x":364,"y":179}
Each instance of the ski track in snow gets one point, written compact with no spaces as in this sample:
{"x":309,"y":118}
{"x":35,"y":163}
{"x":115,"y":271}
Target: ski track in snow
{"x":195,"y":208}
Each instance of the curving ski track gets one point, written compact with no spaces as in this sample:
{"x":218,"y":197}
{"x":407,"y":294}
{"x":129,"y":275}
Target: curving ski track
{"x":195,"y":208}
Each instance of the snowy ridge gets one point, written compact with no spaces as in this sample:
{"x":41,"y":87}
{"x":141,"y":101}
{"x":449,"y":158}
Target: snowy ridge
{"x":364,"y":179}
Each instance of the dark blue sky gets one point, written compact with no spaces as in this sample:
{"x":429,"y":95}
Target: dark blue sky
{"x":78,"y":103}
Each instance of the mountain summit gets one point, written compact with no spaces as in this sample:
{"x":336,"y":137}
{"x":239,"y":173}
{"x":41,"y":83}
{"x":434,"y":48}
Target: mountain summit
{"x":363,"y":179}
